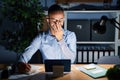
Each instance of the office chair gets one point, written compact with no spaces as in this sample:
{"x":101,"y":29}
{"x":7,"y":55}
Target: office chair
{"x":6,"y":56}
{"x":109,"y":60}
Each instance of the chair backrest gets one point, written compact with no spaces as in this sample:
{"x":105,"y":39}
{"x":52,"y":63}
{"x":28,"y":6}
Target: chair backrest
{"x":109,"y":60}
{"x":7,"y":56}
{"x":36,"y":58}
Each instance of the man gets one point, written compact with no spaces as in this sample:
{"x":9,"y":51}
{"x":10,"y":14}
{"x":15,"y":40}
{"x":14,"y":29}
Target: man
{"x":55,"y":43}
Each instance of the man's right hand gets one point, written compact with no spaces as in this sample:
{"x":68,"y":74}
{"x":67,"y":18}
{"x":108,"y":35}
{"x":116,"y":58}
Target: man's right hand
{"x":23,"y":67}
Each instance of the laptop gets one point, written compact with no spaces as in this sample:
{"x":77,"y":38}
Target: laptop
{"x":49,"y":63}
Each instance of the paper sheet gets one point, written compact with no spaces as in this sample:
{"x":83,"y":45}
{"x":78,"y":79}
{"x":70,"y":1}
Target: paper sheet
{"x":35,"y":69}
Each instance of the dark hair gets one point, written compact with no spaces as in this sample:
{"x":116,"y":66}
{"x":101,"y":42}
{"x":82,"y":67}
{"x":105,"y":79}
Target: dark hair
{"x":55,"y":8}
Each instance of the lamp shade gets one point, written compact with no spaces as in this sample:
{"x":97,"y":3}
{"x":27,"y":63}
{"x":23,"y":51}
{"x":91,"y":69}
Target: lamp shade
{"x":100,"y":26}
{"x":99,"y":29}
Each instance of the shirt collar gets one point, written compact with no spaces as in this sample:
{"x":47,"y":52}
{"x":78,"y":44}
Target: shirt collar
{"x":51,"y":34}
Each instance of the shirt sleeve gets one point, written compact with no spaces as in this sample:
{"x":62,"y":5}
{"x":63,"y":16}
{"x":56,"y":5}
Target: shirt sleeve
{"x":69,"y":47}
{"x":30,"y":50}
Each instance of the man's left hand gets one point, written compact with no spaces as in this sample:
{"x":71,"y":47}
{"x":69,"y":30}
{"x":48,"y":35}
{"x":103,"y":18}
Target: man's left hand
{"x":56,"y":30}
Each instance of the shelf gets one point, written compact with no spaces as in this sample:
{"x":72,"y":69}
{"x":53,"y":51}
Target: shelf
{"x":90,"y":45}
{"x":95,"y":42}
{"x":92,"y":11}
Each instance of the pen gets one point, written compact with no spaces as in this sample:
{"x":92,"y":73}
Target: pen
{"x":28,"y":73}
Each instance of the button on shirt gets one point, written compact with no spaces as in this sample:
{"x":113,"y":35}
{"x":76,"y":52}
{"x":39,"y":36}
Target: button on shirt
{"x":50,"y":48}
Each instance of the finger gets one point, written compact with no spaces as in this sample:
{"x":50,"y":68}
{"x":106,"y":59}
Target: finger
{"x":28,"y":66}
{"x":52,"y":30}
{"x":27,"y":70}
{"x":55,"y":27}
{"x":23,"y":67}
{"x":59,"y":27}
{"x":51,"y":27}
{"x":52,"y":24}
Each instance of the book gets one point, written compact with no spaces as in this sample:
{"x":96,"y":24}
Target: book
{"x":93,"y":70}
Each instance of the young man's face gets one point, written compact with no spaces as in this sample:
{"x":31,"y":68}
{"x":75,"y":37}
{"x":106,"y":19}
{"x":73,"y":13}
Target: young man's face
{"x":55,"y":19}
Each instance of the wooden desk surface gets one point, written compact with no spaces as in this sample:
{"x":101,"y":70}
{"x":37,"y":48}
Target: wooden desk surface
{"x":75,"y":74}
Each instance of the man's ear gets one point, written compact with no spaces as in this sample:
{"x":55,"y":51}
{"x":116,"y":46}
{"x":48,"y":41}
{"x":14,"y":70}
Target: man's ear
{"x":47,"y":18}
{"x":45,"y":25}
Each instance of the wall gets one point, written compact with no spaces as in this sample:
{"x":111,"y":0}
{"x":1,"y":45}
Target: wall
{"x":50,"y":2}
{"x":9,"y":56}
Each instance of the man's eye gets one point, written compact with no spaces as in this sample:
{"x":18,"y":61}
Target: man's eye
{"x":53,"y":20}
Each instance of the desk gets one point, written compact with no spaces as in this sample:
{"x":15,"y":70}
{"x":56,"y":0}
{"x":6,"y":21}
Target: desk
{"x":75,"y":74}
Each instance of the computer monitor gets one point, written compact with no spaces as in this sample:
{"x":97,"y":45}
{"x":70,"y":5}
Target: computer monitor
{"x":49,"y":63}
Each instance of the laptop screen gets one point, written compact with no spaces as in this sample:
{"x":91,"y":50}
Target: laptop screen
{"x":49,"y":63}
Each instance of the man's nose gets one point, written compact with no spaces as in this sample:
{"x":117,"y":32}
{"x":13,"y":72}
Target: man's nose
{"x":57,"y":21}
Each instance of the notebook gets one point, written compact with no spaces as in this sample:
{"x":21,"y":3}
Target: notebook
{"x":93,"y":70}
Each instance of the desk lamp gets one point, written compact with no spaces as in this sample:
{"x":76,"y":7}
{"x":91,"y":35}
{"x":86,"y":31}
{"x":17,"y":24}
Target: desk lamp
{"x":100,"y":26}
